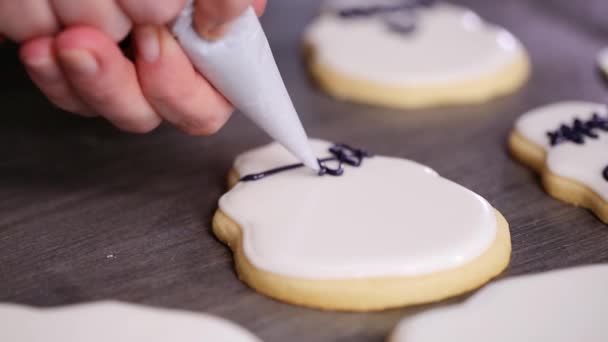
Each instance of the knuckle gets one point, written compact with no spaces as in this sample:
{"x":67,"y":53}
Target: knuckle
{"x":64,"y":103}
{"x":161,"y":93}
{"x":101,"y":95}
{"x":151,"y":12}
{"x":23,"y":34}
{"x":68,"y":105}
{"x":202,"y":126}
{"x":39,"y":20}
{"x":140,"y":126}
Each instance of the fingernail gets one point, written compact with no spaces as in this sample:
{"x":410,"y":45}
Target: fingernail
{"x":147,"y":42}
{"x":216,"y":32}
{"x":43,"y":67}
{"x":210,"y":30}
{"x":79,"y":62}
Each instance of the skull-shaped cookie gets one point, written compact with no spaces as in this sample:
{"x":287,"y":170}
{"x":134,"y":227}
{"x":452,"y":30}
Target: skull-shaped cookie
{"x":567,"y":143}
{"x":373,"y":232}
{"x":411,"y":53}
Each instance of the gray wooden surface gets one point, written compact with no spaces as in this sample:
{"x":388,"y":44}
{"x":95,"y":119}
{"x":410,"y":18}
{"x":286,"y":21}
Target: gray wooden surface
{"x":89,"y":213}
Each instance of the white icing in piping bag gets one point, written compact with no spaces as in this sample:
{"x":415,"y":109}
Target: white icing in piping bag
{"x":241,"y":66}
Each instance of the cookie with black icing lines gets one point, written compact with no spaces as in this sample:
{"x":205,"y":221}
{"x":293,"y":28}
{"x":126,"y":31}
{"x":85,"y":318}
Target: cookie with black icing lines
{"x":411,"y":53}
{"x":567,"y":143}
{"x":383,"y":232}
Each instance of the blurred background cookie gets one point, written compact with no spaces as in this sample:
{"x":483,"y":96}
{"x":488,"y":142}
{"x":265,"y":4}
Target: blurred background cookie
{"x":411,"y":53}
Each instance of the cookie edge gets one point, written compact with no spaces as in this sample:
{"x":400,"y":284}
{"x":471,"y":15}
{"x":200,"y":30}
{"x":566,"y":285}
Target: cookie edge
{"x":502,"y":82}
{"x":562,"y":188}
{"x":366,"y":294}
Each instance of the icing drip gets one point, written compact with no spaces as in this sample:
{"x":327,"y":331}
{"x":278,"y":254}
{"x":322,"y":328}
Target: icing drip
{"x":398,"y":16}
{"x":342,"y":153}
{"x":579,"y":130}
{"x":605,"y":173}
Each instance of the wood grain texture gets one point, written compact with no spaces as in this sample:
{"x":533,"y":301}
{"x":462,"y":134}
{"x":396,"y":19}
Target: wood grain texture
{"x":89,"y":213}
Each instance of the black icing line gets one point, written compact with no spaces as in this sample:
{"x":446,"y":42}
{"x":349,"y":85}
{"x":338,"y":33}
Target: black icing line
{"x":403,"y":25}
{"x":605,"y":173}
{"x":372,"y":10}
{"x":579,"y":130}
{"x":342,"y":153}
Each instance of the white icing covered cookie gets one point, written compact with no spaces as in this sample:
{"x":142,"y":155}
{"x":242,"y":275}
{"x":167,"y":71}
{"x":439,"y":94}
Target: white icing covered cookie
{"x":114,"y":322}
{"x":559,"y":306}
{"x":389,"y":232}
{"x":412,"y":53}
{"x":567,"y":143}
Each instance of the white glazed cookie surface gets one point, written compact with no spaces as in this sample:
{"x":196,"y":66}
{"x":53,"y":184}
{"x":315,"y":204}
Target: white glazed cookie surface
{"x":116,"y":322}
{"x":450,"y":43}
{"x":559,"y":306}
{"x":388,"y":217}
{"x":583,"y":163}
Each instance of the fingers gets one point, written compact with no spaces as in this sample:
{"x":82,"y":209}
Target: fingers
{"x":180,"y":95}
{"x":152,"y":12}
{"x":26,"y":19}
{"x":259,"y":6}
{"x":104,"y":79}
{"x":104,"y":15}
{"x":40,"y":63}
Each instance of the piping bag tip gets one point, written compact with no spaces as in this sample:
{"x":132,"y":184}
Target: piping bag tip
{"x":241,"y":66}
{"x":312,"y":163}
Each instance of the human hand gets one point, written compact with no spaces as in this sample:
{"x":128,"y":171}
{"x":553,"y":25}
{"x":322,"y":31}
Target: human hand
{"x":70,"y":50}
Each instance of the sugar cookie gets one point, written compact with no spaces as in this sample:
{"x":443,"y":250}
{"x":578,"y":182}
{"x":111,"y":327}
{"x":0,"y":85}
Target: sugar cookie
{"x":559,"y":306}
{"x":567,"y":144}
{"x":388,"y":232}
{"x":116,"y":322}
{"x":411,"y":53}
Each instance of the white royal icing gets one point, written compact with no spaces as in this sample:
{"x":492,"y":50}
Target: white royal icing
{"x":560,"y":306}
{"x":450,"y":43}
{"x":115,"y":322}
{"x":388,"y":217}
{"x":581,"y":162}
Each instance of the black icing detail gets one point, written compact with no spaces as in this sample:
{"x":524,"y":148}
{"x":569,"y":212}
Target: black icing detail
{"x":342,"y":153}
{"x":399,"y":16}
{"x":579,"y":130}
{"x":605,"y":173}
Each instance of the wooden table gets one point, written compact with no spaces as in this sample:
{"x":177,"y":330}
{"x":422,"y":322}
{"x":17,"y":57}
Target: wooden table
{"x":89,"y":213}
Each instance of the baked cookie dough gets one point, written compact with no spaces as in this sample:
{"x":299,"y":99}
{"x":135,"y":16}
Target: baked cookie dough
{"x":388,"y":232}
{"x":116,"y":322}
{"x":411,"y":53}
{"x":558,"y":306}
{"x":567,"y":143}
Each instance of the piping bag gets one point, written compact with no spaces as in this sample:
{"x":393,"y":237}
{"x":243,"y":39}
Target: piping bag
{"x":241,"y":66}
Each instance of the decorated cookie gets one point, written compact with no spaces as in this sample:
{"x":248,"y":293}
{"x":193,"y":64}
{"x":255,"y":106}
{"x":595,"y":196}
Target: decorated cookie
{"x":567,"y":143}
{"x":411,"y":53}
{"x":116,"y":322}
{"x":559,"y":306}
{"x":372,"y":233}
